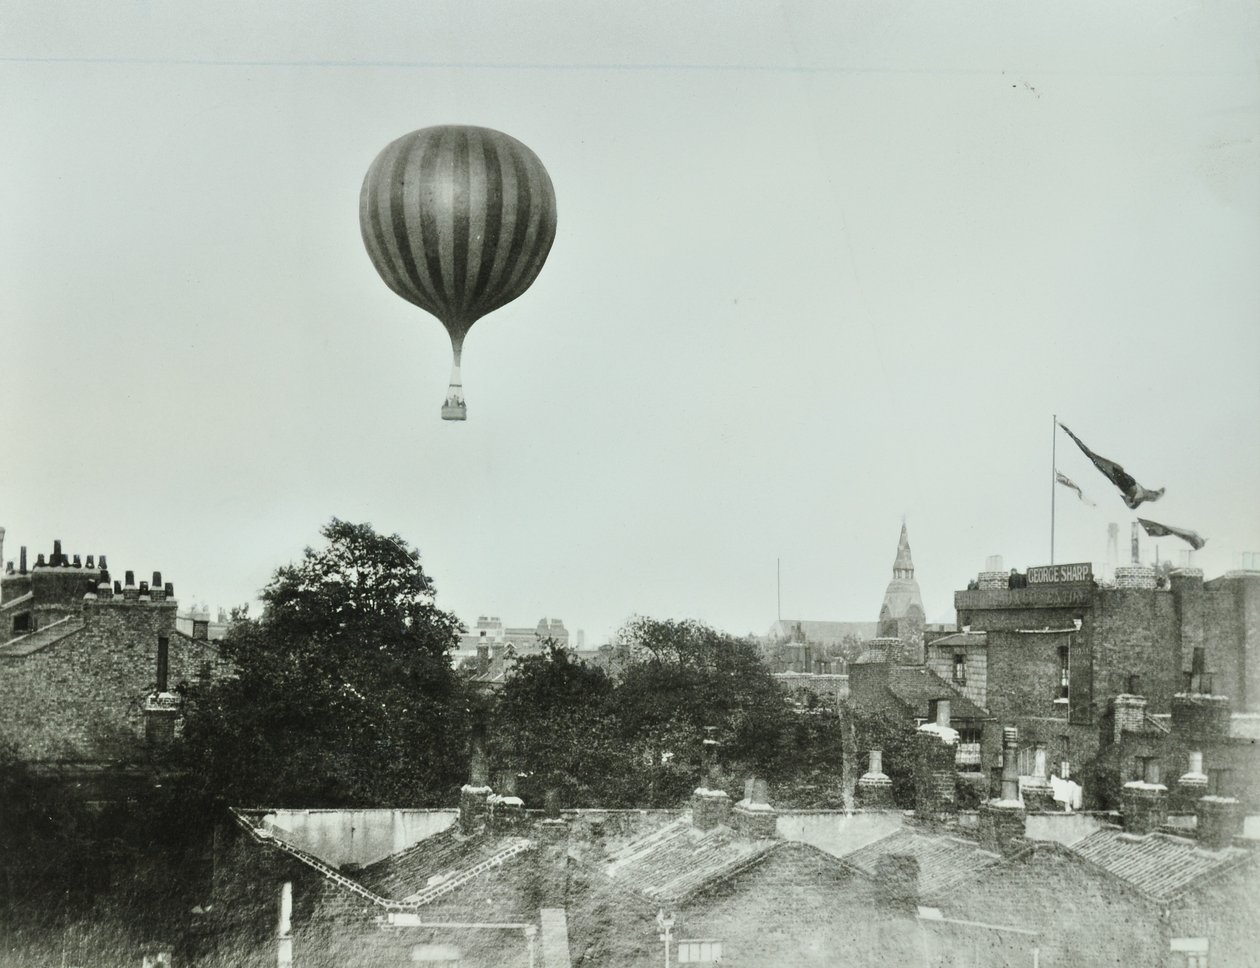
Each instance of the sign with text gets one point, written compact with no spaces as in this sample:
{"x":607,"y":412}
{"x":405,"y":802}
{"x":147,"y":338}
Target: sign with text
{"x":1061,"y":574}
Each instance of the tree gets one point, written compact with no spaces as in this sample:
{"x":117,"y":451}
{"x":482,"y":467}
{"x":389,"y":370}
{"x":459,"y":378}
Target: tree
{"x":345,"y":694}
{"x":554,"y":723}
{"x":683,"y":676}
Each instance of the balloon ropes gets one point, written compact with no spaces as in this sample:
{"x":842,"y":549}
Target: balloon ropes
{"x":458,"y":221}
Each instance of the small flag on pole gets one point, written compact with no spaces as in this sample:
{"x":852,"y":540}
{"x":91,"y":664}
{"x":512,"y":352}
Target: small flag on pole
{"x":1157,"y":530}
{"x":1071,"y":485}
{"x":1133,"y":492}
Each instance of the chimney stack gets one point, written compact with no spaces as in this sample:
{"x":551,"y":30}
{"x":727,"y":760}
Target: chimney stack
{"x":1191,"y":785}
{"x":1002,"y":820}
{"x":710,"y":806}
{"x":1145,"y":806}
{"x":935,"y":774}
{"x":1219,"y":821}
{"x":874,"y":786}
{"x":753,"y":816}
{"x":474,"y":794}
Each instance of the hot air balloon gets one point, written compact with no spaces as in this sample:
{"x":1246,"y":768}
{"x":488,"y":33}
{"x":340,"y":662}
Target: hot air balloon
{"x":457,"y":220}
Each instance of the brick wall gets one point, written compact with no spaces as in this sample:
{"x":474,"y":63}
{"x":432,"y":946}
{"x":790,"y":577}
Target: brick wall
{"x":81,"y":698}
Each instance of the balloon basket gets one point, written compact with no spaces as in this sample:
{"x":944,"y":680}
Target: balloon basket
{"x":454,"y":410}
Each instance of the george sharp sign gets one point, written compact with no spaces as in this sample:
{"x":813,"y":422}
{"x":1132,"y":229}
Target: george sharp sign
{"x":1060,"y":574}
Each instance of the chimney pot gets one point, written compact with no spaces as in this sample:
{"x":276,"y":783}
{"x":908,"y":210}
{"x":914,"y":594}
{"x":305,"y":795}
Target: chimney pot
{"x":157,"y":579}
{"x":103,"y":565}
{"x":56,"y":553}
{"x":129,"y":578}
{"x":22,"y":560}
{"x":118,"y":588}
{"x":170,"y":589}
{"x":77,"y":563}
{"x":91,"y":562}
{"x":39,"y":562}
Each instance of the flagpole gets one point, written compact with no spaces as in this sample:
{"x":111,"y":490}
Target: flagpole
{"x":1054,"y":471}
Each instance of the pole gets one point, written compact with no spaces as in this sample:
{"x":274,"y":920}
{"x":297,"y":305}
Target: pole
{"x":778,"y":589}
{"x":1054,"y":476}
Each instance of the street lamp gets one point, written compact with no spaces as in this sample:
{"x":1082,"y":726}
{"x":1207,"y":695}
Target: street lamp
{"x":666,"y":923}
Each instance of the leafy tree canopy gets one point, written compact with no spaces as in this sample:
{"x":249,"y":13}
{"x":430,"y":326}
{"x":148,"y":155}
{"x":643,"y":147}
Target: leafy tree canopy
{"x":345,"y":694}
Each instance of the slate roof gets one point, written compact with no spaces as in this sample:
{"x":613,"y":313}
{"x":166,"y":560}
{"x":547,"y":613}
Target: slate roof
{"x":1158,"y":865}
{"x":917,"y":685}
{"x":41,"y":638}
{"x":678,"y":860}
{"x":945,"y":861}
{"x":443,"y":858}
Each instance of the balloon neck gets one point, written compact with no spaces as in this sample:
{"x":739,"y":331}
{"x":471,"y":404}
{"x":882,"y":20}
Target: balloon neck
{"x":454,"y":408}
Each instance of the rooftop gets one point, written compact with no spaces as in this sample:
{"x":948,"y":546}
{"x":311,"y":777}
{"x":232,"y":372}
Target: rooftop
{"x":917,"y":686}
{"x":678,"y":860}
{"x":446,"y":859}
{"x":1158,"y":865}
{"x":944,"y":860}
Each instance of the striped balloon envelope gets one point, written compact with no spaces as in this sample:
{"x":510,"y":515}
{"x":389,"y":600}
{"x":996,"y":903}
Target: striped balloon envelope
{"x":457,"y":220}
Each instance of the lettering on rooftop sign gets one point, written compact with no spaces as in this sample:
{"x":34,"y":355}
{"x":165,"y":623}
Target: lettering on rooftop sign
{"x":1061,"y":574}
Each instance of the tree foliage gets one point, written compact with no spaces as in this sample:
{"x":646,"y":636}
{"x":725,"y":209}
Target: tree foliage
{"x":345,"y":693}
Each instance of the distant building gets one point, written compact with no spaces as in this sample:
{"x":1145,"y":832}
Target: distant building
{"x":93,"y":671}
{"x":1118,"y":682}
{"x":901,"y":615}
{"x":523,"y":640}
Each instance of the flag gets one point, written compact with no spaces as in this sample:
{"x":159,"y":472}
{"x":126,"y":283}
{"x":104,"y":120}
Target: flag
{"x":1157,"y":530}
{"x":1073,"y":486}
{"x":1133,"y":492}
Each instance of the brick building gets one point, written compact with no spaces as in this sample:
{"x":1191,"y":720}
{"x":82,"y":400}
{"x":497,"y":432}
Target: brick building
{"x":92,"y":670}
{"x":1118,"y":681}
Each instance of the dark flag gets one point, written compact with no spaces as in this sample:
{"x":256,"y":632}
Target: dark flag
{"x":1157,"y":530}
{"x":1133,"y":492}
{"x":1073,"y":486}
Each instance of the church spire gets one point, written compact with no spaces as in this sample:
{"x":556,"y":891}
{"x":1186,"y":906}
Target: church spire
{"x":903,"y":567}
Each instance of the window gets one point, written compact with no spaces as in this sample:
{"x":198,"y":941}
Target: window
{"x":699,"y":952}
{"x":1146,"y":768}
{"x":433,"y":955}
{"x":1192,"y":952}
{"x":1065,"y":765}
{"x":960,"y":667}
{"x":22,"y":623}
{"x":1219,"y":783}
{"x":1064,"y":679}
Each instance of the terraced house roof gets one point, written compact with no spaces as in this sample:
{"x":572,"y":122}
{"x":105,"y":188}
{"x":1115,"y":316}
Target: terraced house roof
{"x":678,"y":860}
{"x":1159,"y":865}
{"x":944,"y":861}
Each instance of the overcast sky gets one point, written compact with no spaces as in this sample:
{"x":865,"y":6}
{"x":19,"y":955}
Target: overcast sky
{"x":818,"y":266}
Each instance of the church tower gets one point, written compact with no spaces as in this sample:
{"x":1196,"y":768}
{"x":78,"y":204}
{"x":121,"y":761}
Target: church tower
{"x":901,"y":616}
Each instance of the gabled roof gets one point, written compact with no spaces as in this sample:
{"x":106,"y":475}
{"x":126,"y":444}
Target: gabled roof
{"x":1158,"y":865}
{"x":438,"y":864}
{"x":916,"y":686}
{"x":945,"y":861}
{"x":678,"y":860}
{"x":41,"y":638}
